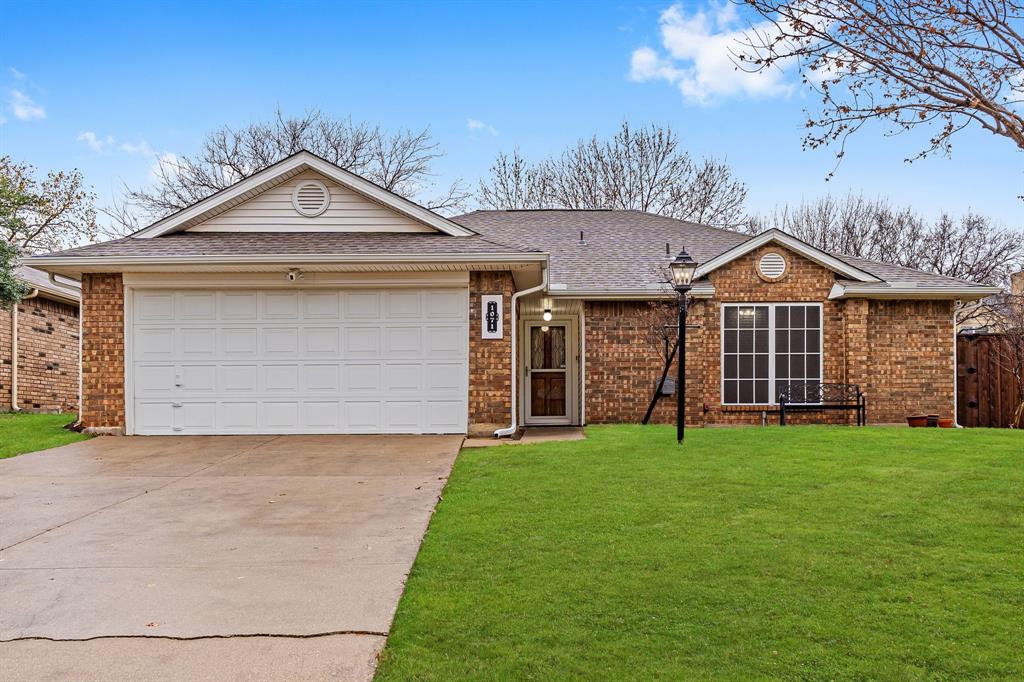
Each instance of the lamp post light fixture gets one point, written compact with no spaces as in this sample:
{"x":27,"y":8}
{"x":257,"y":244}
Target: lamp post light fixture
{"x":683,"y":268}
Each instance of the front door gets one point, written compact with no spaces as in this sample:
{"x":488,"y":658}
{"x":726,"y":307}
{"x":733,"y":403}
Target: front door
{"x":546,"y":363}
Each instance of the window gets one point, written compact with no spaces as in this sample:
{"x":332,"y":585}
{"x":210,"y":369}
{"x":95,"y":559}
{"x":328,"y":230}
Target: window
{"x":765,"y":347}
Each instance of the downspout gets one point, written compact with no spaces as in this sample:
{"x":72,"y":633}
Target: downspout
{"x":956,"y":369}
{"x":14,"y":351}
{"x":514,"y":426}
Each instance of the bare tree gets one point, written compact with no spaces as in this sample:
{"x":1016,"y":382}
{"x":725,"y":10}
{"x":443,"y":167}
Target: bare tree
{"x":44,"y":214}
{"x":939,"y":64}
{"x":1008,"y":345}
{"x":400,"y":162}
{"x":637,"y":168}
{"x":972,"y":247}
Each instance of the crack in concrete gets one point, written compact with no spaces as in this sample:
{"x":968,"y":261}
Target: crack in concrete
{"x":144,"y":492}
{"x":192,"y":638}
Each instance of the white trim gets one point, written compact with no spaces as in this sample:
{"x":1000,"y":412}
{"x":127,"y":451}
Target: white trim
{"x":310,"y":280}
{"x":287,"y":259}
{"x":812,"y":253}
{"x":289,"y":167}
{"x":895,"y":290}
{"x":772,"y":393}
{"x":583,"y":364}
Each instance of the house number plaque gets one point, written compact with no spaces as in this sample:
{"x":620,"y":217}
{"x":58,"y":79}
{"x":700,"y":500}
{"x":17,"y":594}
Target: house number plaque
{"x":491,"y":315}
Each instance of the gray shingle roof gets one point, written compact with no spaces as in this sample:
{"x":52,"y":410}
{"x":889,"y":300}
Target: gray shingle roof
{"x":292,"y":243}
{"x":626,"y":249}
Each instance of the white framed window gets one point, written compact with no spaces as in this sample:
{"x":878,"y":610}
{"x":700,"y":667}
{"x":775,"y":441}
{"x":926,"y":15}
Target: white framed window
{"x":765,"y":346}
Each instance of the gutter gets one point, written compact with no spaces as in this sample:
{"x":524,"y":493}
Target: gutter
{"x":14,"y":351}
{"x":909,"y":291}
{"x":292,"y":259}
{"x":514,"y":426}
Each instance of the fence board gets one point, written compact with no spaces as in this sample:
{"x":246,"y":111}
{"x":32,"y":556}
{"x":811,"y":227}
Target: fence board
{"x":986,"y":389}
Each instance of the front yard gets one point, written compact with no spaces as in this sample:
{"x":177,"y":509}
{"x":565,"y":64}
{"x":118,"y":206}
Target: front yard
{"x":802,"y":553}
{"x":26,"y":432}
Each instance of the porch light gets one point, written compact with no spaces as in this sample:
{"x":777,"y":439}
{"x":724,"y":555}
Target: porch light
{"x":683,"y":267}
{"x":547,"y":314}
{"x":545,"y":329}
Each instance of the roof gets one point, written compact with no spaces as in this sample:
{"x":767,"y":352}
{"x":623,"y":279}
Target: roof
{"x":65,"y":290}
{"x":626,"y":249}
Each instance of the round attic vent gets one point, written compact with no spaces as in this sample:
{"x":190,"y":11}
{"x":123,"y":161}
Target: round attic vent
{"x":311,"y":198}
{"x":771,"y":266}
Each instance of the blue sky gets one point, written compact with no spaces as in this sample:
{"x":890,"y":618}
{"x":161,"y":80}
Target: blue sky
{"x":152,"y":79}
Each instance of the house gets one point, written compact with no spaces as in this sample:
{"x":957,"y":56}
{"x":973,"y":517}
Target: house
{"x":305,"y":299}
{"x":39,"y":346}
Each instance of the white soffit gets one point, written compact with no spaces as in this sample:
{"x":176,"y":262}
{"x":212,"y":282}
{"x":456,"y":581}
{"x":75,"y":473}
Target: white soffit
{"x":281,"y":172}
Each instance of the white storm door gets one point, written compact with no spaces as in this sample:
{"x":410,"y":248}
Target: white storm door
{"x":299,"y":361}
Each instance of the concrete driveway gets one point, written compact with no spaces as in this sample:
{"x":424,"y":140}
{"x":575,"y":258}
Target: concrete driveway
{"x":220,"y":557}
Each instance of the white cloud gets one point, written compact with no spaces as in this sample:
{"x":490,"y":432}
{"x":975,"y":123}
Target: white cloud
{"x":94,"y":141}
{"x":697,"y":57}
{"x":474,"y":125}
{"x":18,"y":75}
{"x":140,"y":148}
{"x":24,"y":108}
{"x":167,"y":163}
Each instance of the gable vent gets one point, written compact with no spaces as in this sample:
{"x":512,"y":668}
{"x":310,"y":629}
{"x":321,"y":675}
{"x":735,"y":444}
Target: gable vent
{"x":311,"y":198}
{"x":771,"y":265}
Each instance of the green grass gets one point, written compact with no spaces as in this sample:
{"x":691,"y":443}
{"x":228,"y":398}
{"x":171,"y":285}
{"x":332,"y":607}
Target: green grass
{"x":26,"y":432}
{"x":796,"y":553}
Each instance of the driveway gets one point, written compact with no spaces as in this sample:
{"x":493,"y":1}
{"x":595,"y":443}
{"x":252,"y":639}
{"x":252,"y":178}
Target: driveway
{"x":219,"y":557}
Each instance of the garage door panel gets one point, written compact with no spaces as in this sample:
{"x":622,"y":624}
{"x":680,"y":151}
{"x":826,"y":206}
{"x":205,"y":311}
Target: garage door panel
{"x":302,"y":361}
{"x":238,"y":305}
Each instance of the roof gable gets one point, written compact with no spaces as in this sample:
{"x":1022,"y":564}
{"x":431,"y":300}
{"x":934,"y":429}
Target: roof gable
{"x":811,"y":253}
{"x":361,"y":195}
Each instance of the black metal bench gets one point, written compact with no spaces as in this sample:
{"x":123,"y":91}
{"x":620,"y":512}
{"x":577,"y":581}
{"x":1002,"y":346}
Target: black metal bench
{"x":812,"y":396}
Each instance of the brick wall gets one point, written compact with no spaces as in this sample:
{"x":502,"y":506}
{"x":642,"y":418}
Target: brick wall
{"x":103,"y":352}
{"x":911,"y":359}
{"x":490,"y":360}
{"x":900,"y":352}
{"x":47,"y":356}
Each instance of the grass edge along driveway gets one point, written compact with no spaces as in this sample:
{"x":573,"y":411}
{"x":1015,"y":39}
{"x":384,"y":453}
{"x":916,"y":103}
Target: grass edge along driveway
{"x":804,"y":552}
{"x":22,"y":432}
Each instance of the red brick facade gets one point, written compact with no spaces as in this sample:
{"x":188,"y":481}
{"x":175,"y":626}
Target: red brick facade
{"x":899,"y":352}
{"x":102,"y":352}
{"x":490,"y":360}
{"x":47,"y":356}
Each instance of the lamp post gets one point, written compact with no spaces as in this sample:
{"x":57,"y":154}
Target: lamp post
{"x":683,"y":267}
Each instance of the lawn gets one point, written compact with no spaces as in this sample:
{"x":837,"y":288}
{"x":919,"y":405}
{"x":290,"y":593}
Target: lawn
{"x":797,"y":553}
{"x":26,"y":432}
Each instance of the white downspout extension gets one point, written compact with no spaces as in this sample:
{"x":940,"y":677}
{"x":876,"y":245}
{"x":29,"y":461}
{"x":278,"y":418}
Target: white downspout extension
{"x":956,"y":369}
{"x":514,"y":426}
{"x":14,"y":351}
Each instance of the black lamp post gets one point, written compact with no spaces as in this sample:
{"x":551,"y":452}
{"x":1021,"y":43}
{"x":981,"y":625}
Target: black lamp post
{"x":683,"y":267}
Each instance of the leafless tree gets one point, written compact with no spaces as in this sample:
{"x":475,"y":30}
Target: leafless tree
{"x":972,"y":247}
{"x":1008,"y":345}
{"x":939,"y":64}
{"x":644,"y":169}
{"x":44,"y":214}
{"x":400,"y":162}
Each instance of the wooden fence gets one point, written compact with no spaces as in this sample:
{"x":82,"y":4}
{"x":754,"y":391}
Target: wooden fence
{"x":987,"y":393}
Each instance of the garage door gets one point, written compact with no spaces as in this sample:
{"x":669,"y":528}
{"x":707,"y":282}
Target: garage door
{"x":299,"y":361}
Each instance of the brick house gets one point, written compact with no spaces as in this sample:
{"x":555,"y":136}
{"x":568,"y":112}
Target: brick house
{"x":39,"y":347}
{"x":305,"y":299}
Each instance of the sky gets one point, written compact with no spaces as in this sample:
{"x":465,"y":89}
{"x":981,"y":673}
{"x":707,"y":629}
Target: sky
{"x":109,"y":87}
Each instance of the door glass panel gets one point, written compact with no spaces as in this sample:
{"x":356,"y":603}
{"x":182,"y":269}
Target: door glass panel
{"x":547,"y":348}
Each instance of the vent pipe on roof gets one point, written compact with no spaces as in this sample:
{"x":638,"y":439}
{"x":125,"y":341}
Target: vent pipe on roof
{"x":582,"y":241}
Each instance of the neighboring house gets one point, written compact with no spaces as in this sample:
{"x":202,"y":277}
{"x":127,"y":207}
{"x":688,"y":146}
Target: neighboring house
{"x":996,"y":314}
{"x":39,"y":346}
{"x":305,"y":299}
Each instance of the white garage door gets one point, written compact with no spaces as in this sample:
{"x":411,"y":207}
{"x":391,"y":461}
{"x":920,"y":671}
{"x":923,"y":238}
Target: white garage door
{"x":299,"y":361}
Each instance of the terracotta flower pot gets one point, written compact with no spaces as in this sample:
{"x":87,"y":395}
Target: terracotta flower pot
{"x":945,"y":422}
{"x":917,"y":420}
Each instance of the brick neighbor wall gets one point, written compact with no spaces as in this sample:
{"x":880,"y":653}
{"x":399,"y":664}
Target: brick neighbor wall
{"x":490,"y":360}
{"x":47,"y":356}
{"x":103,"y":352}
{"x":900,"y":352}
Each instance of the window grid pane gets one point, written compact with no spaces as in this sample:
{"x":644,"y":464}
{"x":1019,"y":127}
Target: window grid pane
{"x":751,"y":366}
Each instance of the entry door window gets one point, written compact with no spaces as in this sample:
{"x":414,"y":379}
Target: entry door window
{"x":547,"y":371}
